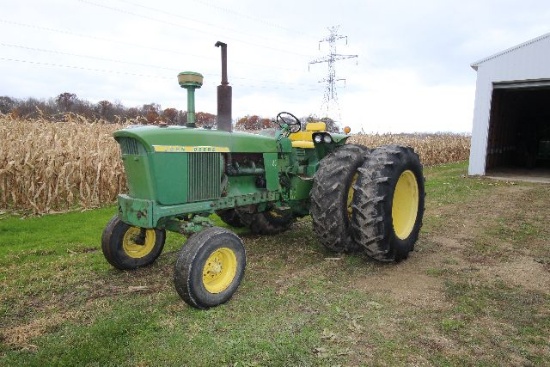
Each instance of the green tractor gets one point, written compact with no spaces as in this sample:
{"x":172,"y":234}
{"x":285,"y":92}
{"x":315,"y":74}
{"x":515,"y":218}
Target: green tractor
{"x":360,"y":199}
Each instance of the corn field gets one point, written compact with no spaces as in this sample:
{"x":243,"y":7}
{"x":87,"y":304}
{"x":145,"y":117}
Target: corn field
{"x":432,"y":148}
{"x":47,"y":167}
{"x":50,"y":167}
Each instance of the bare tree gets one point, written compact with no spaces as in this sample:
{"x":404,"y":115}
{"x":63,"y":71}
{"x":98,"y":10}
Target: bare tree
{"x":7,"y":104}
{"x":65,"y":101}
{"x":170,"y":116}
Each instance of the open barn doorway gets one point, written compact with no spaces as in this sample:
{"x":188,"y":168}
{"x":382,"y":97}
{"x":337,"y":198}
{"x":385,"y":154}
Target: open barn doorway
{"x":518,"y":143}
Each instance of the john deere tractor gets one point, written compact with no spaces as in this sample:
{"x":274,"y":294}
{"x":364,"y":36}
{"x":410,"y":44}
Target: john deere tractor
{"x":360,"y":199}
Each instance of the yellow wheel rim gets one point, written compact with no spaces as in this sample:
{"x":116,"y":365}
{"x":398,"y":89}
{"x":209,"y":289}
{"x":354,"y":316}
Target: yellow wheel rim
{"x":405,"y":204}
{"x":219,"y":270}
{"x":137,"y":245}
{"x":350,"y":196}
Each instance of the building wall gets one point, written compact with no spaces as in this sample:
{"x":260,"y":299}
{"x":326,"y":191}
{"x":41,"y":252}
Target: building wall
{"x":529,"y":61}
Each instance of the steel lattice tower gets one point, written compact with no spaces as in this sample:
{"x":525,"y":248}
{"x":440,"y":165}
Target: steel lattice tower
{"x":331,"y":95}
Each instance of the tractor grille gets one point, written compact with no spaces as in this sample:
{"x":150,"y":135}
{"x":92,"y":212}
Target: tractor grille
{"x":204,"y":176}
{"x":129,"y":146}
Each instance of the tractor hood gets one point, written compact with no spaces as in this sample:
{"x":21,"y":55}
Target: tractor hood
{"x":183,"y":139}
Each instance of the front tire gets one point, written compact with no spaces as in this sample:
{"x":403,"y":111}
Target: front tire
{"x":127,"y":247}
{"x":210,"y":267}
{"x":389,"y":203}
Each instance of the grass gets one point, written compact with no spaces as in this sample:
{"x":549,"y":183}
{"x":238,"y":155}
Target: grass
{"x":460,"y":299}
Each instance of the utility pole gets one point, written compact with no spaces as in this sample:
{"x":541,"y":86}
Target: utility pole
{"x":331,"y":95}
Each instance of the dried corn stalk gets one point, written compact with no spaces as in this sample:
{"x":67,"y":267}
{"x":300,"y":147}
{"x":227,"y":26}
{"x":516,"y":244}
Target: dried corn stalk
{"x":47,"y":167}
{"x":432,"y":148}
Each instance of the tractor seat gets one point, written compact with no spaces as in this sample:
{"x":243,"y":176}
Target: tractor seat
{"x":304,"y":139}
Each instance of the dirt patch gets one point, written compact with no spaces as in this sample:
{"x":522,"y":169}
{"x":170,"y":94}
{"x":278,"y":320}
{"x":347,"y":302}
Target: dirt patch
{"x":408,"y":283}
{"x":522,"y":271}
{"x":19,"y":337}
{"x":462,"y":244}
{"x":541,"y":175}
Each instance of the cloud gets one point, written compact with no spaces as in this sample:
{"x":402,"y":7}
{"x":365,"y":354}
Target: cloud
{"x":412,"y":73}
{"x":399,"y":101}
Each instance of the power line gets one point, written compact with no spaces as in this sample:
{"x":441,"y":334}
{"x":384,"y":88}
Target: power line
{"x":134,"y":45}
{"x":83,"y":56}
{"x":256,"y":19}
{"x":264,"y":84}
{"x":179,"y":25}
{"x":70,"y":33}
{"x":82,"y":68}
{"x":271,"y":84}
{"x":195,"y":19}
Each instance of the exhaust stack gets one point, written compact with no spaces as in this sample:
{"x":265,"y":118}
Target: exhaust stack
{"x":224,"y":95}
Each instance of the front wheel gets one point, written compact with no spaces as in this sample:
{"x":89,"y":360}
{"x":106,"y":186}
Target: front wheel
{"x":127,"y":247}
{"x":389,"y":203}
{"x":210,"y":267}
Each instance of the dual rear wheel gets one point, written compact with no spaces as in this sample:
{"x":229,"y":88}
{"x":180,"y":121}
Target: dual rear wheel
{"x":369,"y":200}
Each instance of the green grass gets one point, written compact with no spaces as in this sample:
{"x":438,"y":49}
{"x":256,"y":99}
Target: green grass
{"x":299,"y":305}
{"x":449,"y":184}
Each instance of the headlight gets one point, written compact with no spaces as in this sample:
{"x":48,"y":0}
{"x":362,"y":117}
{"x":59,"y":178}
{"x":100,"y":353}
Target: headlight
{"x":327,"y":139}
{"x":318,"y":138}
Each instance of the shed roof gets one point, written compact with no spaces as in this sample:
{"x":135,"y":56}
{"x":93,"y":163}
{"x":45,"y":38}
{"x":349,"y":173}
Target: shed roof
{"x":476,"y":64}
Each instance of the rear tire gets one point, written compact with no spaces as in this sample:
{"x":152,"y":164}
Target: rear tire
{"x":127,"y":247}
{"x":230,"y":217}
{"x":210,"y":267}
{"x":331,"y":197}
{"x":389,"y":203}
{"x":269,"y":222}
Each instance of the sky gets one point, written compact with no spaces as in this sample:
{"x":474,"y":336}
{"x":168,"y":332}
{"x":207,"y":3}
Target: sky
{"x":412,"y":71}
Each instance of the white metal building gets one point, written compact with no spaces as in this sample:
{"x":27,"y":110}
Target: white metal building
{"x":511,"y":126}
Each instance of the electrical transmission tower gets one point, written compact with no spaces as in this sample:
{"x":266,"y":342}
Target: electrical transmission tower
{"x":331,"y":96}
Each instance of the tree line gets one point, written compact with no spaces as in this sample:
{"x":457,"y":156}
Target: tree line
{"x":59,"y":108}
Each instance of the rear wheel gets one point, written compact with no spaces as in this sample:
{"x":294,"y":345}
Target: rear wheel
{"x":331,"y":197}
{"x":128,"y":247}
{"x":389,"y":198}
{"x":271,"y":221}
{"x":231,"y":217}
{"x":210,"y":267}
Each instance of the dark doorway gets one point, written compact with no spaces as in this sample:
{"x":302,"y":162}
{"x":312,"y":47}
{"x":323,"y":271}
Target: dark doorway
{"x":519,"y":128}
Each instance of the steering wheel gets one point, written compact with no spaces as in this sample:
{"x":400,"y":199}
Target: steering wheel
{"x":292,"y":122}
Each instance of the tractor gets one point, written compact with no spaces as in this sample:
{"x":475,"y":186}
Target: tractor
{"x":360,"y":199}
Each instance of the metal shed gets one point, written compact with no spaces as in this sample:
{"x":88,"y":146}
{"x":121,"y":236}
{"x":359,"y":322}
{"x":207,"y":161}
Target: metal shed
{"x":511,"y":126}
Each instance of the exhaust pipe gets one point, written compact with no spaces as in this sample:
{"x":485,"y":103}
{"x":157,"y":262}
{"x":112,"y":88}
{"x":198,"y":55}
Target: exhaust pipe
{"x":224,"y":118}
